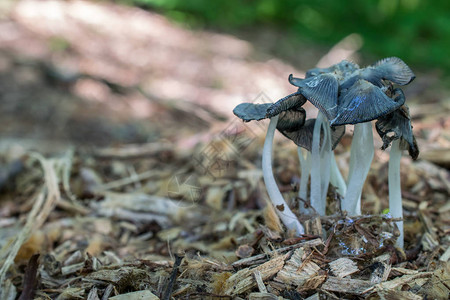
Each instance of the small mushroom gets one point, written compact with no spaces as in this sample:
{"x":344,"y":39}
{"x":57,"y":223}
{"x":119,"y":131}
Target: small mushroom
{"x":284,"y":212}
{"x":290,"y":121}
{"x":348,"y":94}
{"x":344,"y":94}
{"x":316,"y":136}
{"x":398,"y":124}
{"x":289,"y":117}
{"x":362,"y":151}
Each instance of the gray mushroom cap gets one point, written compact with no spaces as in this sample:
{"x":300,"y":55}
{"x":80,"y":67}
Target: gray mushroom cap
{"x":347,"y":94}
{"x":251,"y":111}
{"x":344,"y":66}
{"x":397,"y":125}
{"x":304,"y":135}
{"x":292,"y":121}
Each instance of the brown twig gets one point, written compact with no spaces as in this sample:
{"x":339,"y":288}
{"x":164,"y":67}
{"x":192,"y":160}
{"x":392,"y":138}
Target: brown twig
{"x":173,"y":277}
{"x":30,"y":278}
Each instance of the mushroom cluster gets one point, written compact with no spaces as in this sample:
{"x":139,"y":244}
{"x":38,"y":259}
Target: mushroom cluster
{"x":344,"y":94}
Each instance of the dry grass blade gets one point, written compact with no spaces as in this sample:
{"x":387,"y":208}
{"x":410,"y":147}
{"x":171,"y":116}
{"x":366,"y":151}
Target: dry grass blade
{"x":133,"y":151}
{"x":43,"y":205}
{"x":66,"y":169}
{"x":129,"y":180}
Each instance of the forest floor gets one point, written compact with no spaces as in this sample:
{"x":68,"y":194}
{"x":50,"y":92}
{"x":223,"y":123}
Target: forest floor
{"x":124,"y":174}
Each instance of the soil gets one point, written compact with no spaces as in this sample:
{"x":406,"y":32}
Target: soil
{"x":125,"y":175}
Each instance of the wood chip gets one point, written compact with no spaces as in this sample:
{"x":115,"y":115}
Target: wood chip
{"x":9,"y":290}
{"x":243,"y":280}
{"x":313,"y":226}
{"x":346,"y":285}
{"x":386,"y":257}
{"x":402,"y":271}
{"x":108,"y":291}
{"x":76,"y":257}
{"x":263,"y":257}
{"x":380,"y":273}
{"x":400,"y":281}
{"x":72,"y":268}
{"x":215,"y":197}
{"x":244,"y":251}
{"x":446,"y":255}
{"x":119,"y":276}
{"x":342,"y":267}
{"x":262,"y":296}
{"x":381,"y":268}
{"x":296,"y":272}
{"x":313,"y":297}
{"x":437,"y":286}
{"x":259,"y":281}
{"x":181,"y":290}
{"x":72,"y":293}
{"x":93,"y":294}
{"x":429,"y":241}
{"x":398,"y":295}
{"x":139,"y":295}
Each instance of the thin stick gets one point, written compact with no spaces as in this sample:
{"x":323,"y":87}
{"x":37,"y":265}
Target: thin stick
{"x":173,"y":277}
{"x":44,"y":204}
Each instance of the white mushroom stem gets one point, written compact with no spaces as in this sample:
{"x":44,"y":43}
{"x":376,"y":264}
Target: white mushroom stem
{"x":288,"y":218}
{"x":336,"y":178}
{"x":361,"y":155}
{"x":305,"y":168}
{"x":320,"y":164}
{"x":325,"y":159}
{"x":395,"y":194}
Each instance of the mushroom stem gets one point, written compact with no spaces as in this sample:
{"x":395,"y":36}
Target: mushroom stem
{"x":288,"y":218}
{"x":361,"y":155}
{"x":395,"y":195}
{"x":325,"y":160}
{"x":336,"y":178}
{"x":320,"y":164}
{"x":305,"y":168}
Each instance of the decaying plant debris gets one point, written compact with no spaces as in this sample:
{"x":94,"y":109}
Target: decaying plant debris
{"x":101,"y":232}
{"x":186,"y":220}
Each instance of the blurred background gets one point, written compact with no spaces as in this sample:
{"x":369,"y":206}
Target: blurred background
{"x":412,"y":29}
{"x":132,"y":99}
{"x":99,"y":73}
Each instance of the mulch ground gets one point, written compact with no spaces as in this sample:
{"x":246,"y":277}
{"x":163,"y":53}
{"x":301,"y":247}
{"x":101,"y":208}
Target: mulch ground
{"x":124,"y":174}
